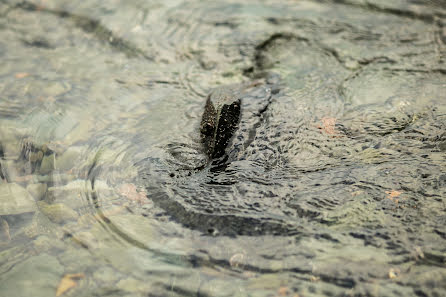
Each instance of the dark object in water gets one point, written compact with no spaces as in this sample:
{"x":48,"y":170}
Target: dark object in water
{"x":220,"y":119}
{"x":222,"y":115}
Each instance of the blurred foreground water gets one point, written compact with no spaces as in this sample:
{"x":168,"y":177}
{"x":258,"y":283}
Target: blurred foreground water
{"x":338,"y":187}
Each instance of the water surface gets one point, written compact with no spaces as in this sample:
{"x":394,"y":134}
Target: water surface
{"x":338,"y":188}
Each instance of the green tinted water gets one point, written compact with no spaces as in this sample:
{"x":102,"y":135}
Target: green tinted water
{"x":339,"y":189}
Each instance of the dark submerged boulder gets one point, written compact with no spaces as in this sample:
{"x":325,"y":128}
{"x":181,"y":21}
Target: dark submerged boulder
{"x":220,"y":119}
{"x":231,"y":114}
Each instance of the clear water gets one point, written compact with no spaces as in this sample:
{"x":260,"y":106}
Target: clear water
{"x":340,"y":190}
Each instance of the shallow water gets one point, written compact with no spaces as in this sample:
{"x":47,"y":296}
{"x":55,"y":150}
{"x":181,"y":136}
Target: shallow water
{"x":335,"y":185}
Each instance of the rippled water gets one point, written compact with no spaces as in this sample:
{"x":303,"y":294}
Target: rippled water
{"x":335,"y":183}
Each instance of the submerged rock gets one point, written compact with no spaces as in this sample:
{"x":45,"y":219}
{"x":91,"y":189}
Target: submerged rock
{"x":15,"y":200}
{"x":37,"y":190}
{"x":70,"y":158}
{"x":36,"y":276}
{"x":36,"y":157}
{"x":58,"y":212}
{"x":41,"y":225}
{"x":48,"y":164}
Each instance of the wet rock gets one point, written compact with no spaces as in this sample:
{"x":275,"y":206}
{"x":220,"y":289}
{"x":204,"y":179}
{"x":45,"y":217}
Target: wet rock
{"x":36,"y":276}
{"x":41,"y":225}
{"x":9,"y":172}
{"x":77,"y":258}
{"x":48,"y":164}
{"x":13,"y":226}
{"x":232,"y":113}
{"x":10,"y":138}
{"x":30,"y":151}
{"x":34,"y":156}
{"x":44,"y":243}
{"x":58,"y":212}
{"x":71,"y":198}
{"x":37,"y":190}
{"x":15,"y":200}
{"x":220,"y":118}
{"x":69,"y":158}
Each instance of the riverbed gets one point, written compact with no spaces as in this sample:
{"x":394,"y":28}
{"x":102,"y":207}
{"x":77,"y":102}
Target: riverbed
{"x":337,"y":186}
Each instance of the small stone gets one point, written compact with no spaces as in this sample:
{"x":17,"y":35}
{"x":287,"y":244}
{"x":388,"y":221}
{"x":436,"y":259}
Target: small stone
{"x":351,"y":64}
{"x":15,"y":200}
{"x":21,"y":75}
{"x":58,"y":212}
{"x":237,"y":260}
{"x":37,"y":190}
{"x":393,"y":273}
